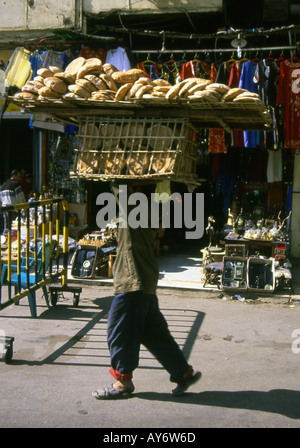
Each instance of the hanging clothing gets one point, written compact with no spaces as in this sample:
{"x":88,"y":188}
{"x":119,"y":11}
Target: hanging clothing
{"x":118,"y":57}
{"x":248,"y":81}
{"x":19,"y":70}
{"x":87,"y":53}
{"x":216,"y":142}
{"x":288,"y":95}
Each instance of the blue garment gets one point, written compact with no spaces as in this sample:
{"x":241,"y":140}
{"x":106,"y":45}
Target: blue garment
{"x":251,"y":138}
{"x":134,"y":319}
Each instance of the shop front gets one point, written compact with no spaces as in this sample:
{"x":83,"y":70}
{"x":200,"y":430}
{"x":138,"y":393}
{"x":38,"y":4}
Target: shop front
{"x":243,"y":166}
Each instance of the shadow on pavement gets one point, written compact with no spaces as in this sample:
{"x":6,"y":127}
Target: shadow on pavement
{"x":278,"y":401}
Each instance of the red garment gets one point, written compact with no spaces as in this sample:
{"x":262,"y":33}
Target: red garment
{"x":234,"y":78}
{"x":189,"y":70}
{"x":216,"y":141}
{"x":87,"y":53}
{"x":288,"y":94}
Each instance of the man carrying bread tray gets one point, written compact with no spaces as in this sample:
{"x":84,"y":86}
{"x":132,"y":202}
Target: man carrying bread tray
{"x":135,"y":318}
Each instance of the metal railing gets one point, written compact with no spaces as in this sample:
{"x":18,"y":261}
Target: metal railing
{"x":33,"y":252}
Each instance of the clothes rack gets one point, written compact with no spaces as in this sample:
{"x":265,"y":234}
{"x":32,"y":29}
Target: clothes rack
{"x":216,"y":50}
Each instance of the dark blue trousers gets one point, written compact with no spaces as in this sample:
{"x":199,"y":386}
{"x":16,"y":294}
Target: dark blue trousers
{"x":134,"y":319}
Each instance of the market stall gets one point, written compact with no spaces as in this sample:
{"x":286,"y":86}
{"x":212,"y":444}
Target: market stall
{"x":131,"y":127}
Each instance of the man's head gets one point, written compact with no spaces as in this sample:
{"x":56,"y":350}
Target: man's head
{"x":15,"y":175}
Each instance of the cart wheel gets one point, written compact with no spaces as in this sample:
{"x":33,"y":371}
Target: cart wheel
{"x":76,"y":300}
{"x":53,"y":298}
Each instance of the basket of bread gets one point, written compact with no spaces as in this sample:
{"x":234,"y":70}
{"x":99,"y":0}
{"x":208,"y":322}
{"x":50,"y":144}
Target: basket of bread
{"x":130,"y":148}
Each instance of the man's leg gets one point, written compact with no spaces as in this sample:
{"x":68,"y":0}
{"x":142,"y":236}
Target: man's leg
{"x":159,"y":341}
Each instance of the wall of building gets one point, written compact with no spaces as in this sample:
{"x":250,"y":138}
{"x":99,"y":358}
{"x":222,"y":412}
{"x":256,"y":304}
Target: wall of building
{"x":201,"y":6}
{"x":26,"y":15}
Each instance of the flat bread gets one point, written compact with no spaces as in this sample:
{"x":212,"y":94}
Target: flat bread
{"x":109,"y":82}
{"x":121,"y":93}
{"x":162,"y":163}
{"x":78,"y":90}
{"x":67,"y":77}
{"x":92,"y":65}
{"x":56,"y":84}
{"x":86,"y":84}
{"x":88,"y":163}
{"x":218,"y":87}
{"x":123,"y":77}
{"x":109,"y":69}
{"x":55,"y":69}
{"x":113,"y":163}
{"x":111,"y":134}
{"x":98,"y":82}
{"x":232,"y":93}
{"x":138,"y":163}
{"x":25,"y":96}
{"x":47,"y":92}
{"x":161,"y":82}
{"x":132,"y":135}
{"x":75,"y":66}
{"x":142,"y":90}
{"x":31,"y":89}
{"x":44,"y":72}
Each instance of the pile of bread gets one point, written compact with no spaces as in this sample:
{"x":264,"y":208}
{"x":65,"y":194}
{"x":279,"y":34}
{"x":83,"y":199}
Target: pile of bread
{"x":93,"y":80}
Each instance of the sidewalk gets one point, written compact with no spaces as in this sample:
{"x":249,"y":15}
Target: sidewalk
{"x":247,"y":351}
{"x":184,"y":272}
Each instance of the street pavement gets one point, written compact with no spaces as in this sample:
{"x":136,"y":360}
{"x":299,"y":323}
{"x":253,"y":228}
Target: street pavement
{"x":247,"y":350}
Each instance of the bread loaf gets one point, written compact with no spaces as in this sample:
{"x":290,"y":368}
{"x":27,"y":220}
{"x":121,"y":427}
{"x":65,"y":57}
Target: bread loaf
{"x":122,"y":77}
{"x":47,"y":92}
{"x":86,"y":84}
{"x":161,"y":82}
{"x":44,"y":72}
{"x":144,"y":89}
{"x":56,"y":84}
{"x":67,"y":77}
{"x":138,"y":164}
{"x":232,"y":93}
{"x":55,"y":69}
{"x":78,"y":90}
{"x":98,"y":82}
{"x":109,"y":82}
{"x":75,"y":66}
{"x":121,"y":93}
{"x":109,"y":69}
{"x":92,"y":65}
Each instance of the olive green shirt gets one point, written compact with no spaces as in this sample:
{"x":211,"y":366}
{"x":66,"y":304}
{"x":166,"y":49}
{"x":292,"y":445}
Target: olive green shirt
{"x":135,"y":267}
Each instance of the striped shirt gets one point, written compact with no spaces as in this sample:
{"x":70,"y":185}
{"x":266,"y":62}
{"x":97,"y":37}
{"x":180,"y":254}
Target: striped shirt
{"x":12,"y":193}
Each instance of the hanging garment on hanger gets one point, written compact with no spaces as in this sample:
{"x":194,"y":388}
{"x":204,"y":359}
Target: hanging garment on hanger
{"x":216,"y":142}
{"x":189,"y":70}
{"x":247,"y":81}
{"x":288,"y":95}
{"x":18,"y":71}
{"x":54,"y":58}
{"x":118,"y":57}
{"x":233,"y":82}
{"x":87,"y":53}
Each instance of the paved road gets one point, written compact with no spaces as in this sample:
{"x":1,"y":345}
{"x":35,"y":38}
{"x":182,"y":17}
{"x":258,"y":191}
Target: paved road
{"x":245,"y":350}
